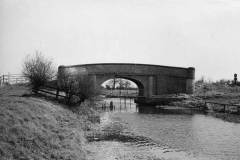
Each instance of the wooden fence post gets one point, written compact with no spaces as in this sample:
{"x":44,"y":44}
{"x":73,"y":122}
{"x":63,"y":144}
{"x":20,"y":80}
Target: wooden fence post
{"x":57,"y":93}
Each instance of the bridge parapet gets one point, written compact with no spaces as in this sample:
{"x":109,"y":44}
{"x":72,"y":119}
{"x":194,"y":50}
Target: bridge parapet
{"x":131,"y":69}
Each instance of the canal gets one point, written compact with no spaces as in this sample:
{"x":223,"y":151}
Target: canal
{"x":131,"y":133}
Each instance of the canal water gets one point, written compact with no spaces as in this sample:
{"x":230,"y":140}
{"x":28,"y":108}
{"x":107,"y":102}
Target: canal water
{"x":132,"y":133}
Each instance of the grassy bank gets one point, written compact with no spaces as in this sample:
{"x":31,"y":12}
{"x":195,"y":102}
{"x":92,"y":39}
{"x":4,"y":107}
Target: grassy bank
{"x":214,"y":92}
{"x":35,"y":128}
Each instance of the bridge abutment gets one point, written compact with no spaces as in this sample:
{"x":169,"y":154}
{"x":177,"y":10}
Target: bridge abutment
{"x":190,"y":80}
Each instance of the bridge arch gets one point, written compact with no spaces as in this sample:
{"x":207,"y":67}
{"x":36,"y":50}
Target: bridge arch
{"x":138,"y":83}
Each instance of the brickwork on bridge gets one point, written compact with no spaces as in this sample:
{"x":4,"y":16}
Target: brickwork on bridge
{"x":152,"y":80}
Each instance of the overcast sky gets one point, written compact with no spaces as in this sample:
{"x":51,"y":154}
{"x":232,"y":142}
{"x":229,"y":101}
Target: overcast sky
{"x":204,"y":34}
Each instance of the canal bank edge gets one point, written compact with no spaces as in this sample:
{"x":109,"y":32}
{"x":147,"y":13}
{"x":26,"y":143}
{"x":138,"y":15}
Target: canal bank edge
{"x":35,"y":128}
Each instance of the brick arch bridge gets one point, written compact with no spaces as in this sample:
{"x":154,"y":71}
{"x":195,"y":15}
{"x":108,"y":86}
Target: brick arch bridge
{"x":153,"y":81}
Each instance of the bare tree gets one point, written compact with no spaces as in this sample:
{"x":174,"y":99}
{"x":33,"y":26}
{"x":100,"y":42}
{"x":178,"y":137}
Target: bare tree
{"x":113,"y":83}
{"x":121,"y":83}
{"x":66,"y":84}
{"x":126,"y":84}
{"x":38,"y":70}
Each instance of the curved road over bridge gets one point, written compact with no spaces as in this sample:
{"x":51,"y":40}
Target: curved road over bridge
{"x":153,"y":81}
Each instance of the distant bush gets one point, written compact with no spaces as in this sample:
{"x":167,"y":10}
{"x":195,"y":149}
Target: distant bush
{"x":38,"y":70}
{"x":223,"y":82}
{"x":201,"y":80}
{"x":78,"y":88}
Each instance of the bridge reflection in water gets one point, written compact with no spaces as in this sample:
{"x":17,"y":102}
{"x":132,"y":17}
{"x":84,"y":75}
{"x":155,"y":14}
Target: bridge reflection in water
{"x":119,"y":105}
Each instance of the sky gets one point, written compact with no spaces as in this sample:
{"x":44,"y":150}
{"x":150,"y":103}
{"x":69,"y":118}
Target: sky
{"x":204,"y":34}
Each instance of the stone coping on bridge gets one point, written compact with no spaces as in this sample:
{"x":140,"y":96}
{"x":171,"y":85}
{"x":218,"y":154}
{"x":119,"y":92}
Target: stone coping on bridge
{"x":139,"y":64}
{"x":131,"y":69}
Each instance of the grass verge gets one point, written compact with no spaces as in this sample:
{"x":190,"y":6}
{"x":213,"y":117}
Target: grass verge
{"x":34,"y":128}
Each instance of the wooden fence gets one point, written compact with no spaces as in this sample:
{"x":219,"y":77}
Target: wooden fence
{"x":51,"y":91}
{"x":223,"y":107}
{"x":12,"y":79}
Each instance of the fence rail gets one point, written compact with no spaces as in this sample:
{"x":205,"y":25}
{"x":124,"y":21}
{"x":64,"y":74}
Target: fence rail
{"x":51,"y":91}
{"x":226,"y":107}
{"x":12,"y":79}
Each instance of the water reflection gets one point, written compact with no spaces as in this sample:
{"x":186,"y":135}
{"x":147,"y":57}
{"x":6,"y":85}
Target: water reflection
{"x":119,"y":105}
{"x":128,"y":105}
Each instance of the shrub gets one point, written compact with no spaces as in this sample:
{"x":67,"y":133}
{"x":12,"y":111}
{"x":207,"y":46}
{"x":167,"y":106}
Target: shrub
{"x":38,"y":70}
{"x":78,"y":88}
{"x":84,"y":87}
